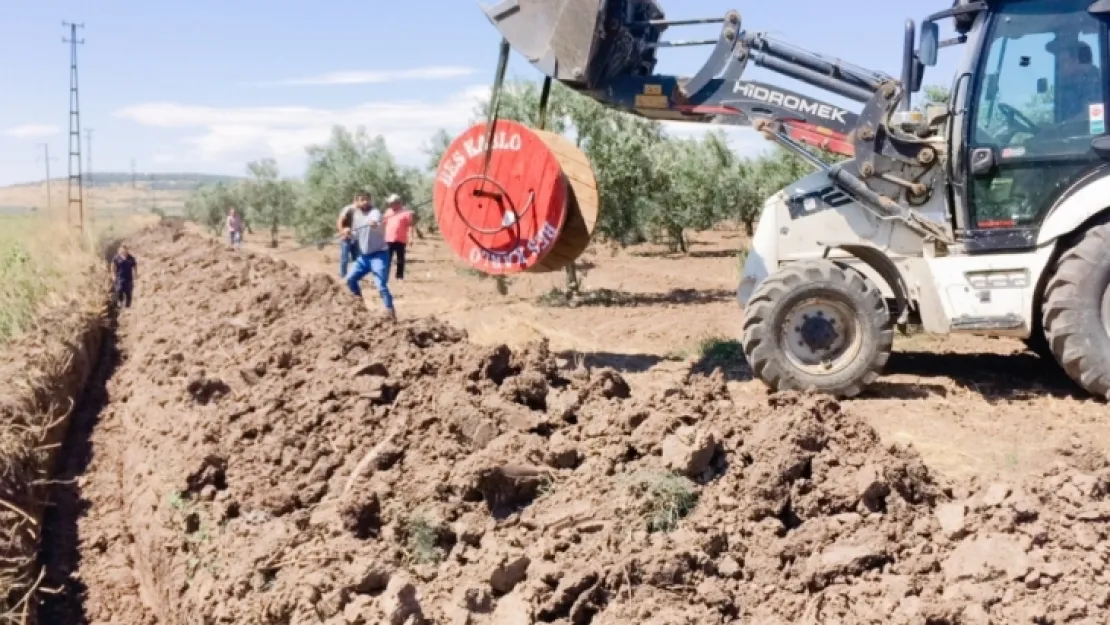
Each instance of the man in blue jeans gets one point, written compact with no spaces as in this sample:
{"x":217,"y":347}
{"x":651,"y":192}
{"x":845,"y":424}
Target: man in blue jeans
{"x":362,"y":223}
{"x":348,"y":250}
{"x":124,"y":270}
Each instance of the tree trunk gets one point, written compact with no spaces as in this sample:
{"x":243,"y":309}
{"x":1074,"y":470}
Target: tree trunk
{"x":274,"y":234}
{"x":749,"y":228}
{"x":677,"y":240}
{"x":572,"y":283}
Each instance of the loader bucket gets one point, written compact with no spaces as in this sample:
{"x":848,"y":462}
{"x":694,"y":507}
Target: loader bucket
{"x":581,"y":42}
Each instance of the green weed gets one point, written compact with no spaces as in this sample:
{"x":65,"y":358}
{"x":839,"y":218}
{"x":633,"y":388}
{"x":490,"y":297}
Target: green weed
{"x":422,"y":541}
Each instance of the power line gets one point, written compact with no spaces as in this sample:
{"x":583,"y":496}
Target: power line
{"x":46,"y":159}
{"x":75,"y":129}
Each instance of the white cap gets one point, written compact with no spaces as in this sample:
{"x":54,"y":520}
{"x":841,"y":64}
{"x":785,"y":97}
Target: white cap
{"x":393,"y":197}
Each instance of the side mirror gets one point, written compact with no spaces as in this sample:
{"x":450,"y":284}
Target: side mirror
{"x":929,"y":44}
{"x":1042,"y":86}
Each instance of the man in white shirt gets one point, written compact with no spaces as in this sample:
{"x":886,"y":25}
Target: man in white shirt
{"x":361,"y":224}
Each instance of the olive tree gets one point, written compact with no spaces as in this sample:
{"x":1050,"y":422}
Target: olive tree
{"x":350,"y":162}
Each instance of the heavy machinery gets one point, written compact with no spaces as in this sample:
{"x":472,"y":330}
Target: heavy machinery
{"x":988,"y":214}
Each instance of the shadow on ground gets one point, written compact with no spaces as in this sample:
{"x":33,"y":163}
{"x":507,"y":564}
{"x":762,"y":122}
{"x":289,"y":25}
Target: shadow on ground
{"x":994,"y":376}
{"x":725,"y":356}
{"x":557,"y":298}
{"x":690,"y":254}
{"x":622,"y":363}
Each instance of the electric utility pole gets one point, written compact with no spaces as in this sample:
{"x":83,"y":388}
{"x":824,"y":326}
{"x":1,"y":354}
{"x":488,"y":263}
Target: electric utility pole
{"x":46,"y":159}
{"x":76,"y":184}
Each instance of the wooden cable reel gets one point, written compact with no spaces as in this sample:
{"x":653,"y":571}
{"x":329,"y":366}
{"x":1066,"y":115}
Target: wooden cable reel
{"x":532,"y":208}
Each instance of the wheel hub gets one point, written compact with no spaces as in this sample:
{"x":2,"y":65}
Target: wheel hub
{"x":821,"y":336}
{"x":818,"y":332}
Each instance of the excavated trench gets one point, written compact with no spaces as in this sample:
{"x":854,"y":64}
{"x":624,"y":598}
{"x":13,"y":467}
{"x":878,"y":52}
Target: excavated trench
{"x":60,"y":555}
{"x":255,"y":447}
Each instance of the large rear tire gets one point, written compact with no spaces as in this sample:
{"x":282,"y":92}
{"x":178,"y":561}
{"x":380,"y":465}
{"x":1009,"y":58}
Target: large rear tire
{"x":817,"y":325}
{"x":1076,"y":309}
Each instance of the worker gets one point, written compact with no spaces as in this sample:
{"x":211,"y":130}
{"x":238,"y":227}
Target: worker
{"x":347,"y":251}
{"x":398,"y":222}
{"x":362,"y":225}
{"x":1078,"y":82}
{"x":124,"y":272}
{"x":234,"y":229}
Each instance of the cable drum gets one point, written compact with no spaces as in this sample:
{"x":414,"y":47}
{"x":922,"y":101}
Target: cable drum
{"x":531,"y":208}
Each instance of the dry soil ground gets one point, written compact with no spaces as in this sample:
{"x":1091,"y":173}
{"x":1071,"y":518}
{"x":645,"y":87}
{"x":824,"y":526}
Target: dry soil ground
{"x":970,"y":405}
{"x":265,"y":450}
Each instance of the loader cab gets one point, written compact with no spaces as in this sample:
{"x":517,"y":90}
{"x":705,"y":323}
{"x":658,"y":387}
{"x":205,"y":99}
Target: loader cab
{"x":1027,"y":103}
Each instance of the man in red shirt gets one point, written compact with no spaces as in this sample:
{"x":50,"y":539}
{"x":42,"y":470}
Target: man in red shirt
{"x":398,"y":222}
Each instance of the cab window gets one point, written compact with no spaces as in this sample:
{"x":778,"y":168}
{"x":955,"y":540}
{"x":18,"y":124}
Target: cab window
{"x":1040,"y":100}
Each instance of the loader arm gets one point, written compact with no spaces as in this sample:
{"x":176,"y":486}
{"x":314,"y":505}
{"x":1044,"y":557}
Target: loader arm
{"x":607,"y":50}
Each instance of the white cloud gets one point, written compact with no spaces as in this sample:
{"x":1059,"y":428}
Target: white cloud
{"x":224,"y":138}
{"x":30,"y":131}
{"x":434,"y":72}
{"x":229,"y":136}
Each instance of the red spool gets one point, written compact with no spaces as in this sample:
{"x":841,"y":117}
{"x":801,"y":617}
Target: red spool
{"x":507,"y":217}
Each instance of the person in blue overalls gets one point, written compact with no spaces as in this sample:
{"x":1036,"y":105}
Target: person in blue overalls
{"x":361,"y":223}
{"x":124,"y":272}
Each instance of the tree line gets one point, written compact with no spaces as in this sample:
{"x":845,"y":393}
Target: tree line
{"x":652,"y":186}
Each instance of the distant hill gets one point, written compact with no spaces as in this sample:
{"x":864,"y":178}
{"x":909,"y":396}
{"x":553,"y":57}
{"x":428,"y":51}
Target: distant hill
{"x":157,"y":182}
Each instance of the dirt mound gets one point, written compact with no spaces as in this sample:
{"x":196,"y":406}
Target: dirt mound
{"x":273,"y":453}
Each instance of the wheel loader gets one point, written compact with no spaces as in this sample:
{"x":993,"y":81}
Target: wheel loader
{"x":988,"y":214}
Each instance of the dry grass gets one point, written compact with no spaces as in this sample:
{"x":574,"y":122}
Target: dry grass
{"x":52,"y":302}
{"x":100,"y":201}
{"x":44,"y":263}
{"x":668,"y":497}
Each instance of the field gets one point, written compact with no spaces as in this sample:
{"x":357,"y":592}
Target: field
{"x":256,"y":447}
{"x":106,"y":202}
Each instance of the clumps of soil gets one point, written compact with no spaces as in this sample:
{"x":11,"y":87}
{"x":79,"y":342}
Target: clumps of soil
{"x":275,"y":453}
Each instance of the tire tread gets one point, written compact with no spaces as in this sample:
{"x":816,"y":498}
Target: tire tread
{"x":1067,"y":322}
{"x":759,"y":340}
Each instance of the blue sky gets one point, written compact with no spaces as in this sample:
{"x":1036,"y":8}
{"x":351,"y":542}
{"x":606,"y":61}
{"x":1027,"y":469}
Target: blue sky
{"x":206,"y":86}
